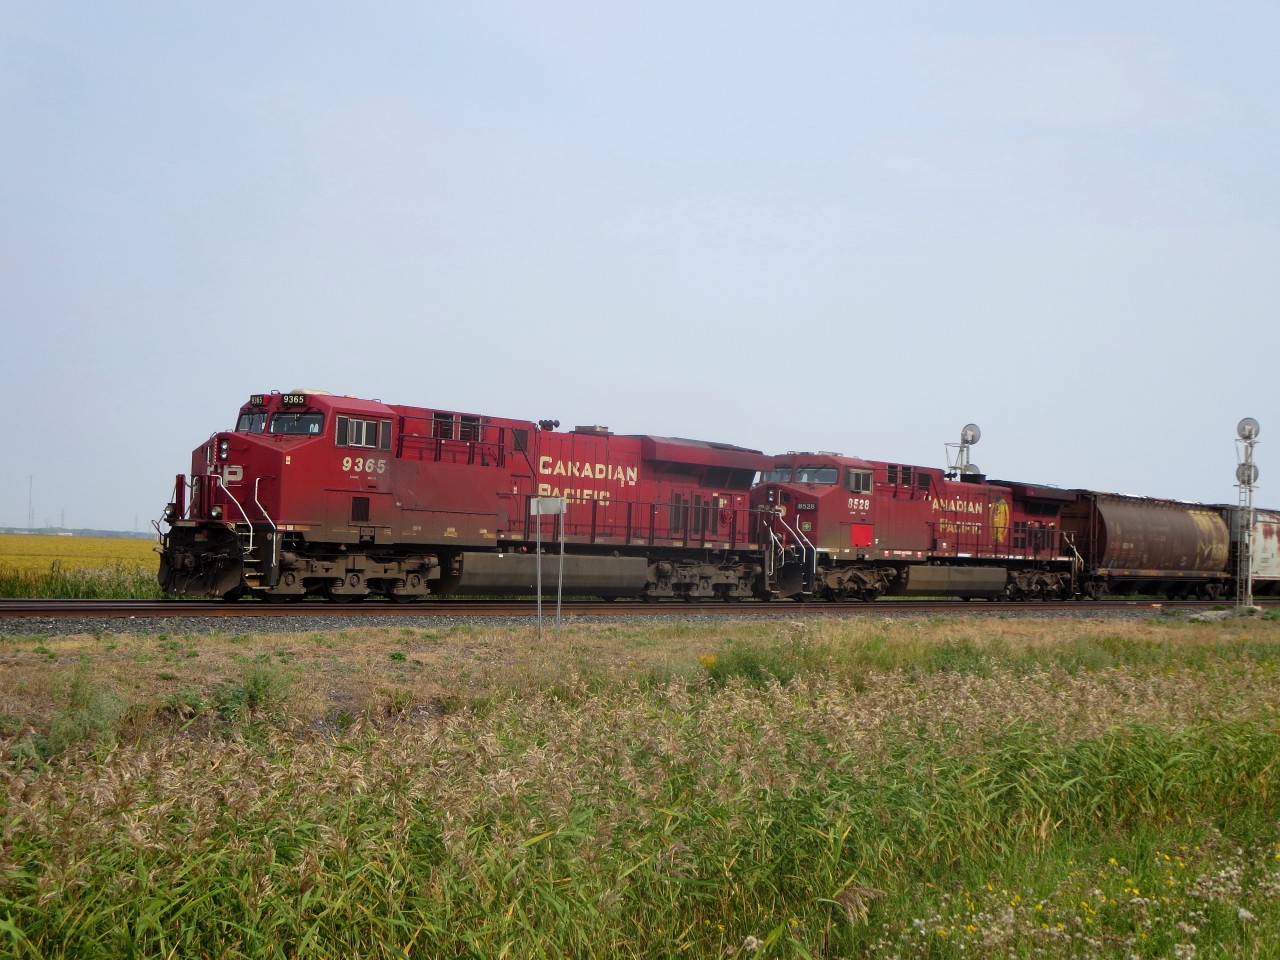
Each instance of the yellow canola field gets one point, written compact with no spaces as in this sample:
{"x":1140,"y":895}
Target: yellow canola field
{"x":38,"y":554}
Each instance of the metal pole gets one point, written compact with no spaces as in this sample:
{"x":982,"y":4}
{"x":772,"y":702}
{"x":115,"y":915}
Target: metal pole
{"x":538,"y":563}
{"x":1246,"y":476}
{"x":560,"y":580}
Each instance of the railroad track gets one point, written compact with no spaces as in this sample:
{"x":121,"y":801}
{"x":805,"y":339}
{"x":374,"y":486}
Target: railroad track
{"x":61,"y":609}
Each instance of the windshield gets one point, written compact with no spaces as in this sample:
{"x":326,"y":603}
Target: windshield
{"x":306,"y":424}
{"x":252,"y":423}
{"x":781,"y":475}
{"x":816,"y":474}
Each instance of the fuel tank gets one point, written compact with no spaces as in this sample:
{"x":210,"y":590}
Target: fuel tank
{"x":512,"y":573}
{"x":940,"y":581}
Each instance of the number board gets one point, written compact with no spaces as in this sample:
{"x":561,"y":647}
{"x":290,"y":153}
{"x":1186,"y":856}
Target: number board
{"x":293,"y":399}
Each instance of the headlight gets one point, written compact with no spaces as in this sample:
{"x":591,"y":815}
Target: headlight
{"x":216,"y":513}
{"x":224,"y":447}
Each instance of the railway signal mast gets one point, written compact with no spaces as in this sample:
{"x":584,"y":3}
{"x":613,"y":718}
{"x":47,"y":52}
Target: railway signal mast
{"x":1246,"y":476}
{"x":959,"y":465}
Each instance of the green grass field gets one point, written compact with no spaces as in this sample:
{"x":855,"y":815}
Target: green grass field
{"x":888,"y":788}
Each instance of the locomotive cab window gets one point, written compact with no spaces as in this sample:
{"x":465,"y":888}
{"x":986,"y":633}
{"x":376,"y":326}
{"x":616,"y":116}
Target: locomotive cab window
{"x":780,"y":475}
{"x":298,"y":424}
{"x":858,"y":481}
{"x":817,"y":474}
{"x":251,"y":423}
{"x":370,"y":434}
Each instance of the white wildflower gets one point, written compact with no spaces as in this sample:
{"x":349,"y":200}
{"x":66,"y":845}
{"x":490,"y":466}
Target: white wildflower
{"x":750,"y":945}
{"x":1244,"y":915}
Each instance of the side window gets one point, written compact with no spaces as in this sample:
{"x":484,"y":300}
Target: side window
{"x":922,"y":481}
{"x":891,"y":474}
{"x":469,"y":428}
{"x":906,"y":476}
{"x":363,"y":433}
{"x":442,"y":426}
{"x":521,"y":439}
{"x":858,"y":481}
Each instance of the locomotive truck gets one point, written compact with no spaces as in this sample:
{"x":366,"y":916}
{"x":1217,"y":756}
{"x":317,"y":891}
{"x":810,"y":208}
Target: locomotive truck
{"x":320,"y":495}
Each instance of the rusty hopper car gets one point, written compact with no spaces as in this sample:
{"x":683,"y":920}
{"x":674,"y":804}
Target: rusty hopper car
{"x":313,"y":494}
{"x":1141,"y":545}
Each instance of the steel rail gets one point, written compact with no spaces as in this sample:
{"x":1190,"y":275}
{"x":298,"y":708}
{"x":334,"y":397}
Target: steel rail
{"x":62,"y":609}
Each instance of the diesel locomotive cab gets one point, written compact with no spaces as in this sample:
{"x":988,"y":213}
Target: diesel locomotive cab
{"x":223,"y":537}
{"x":815,"y":513}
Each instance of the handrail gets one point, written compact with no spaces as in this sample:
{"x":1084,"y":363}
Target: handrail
{"x":257,"y":503}
{"x":275,"y":540}
{"x":808,"y":546}
{"x":776,"y":549}
{"x":232,"y":496}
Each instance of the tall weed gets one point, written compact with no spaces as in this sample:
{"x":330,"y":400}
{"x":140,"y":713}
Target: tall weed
{"x":116,"y":582}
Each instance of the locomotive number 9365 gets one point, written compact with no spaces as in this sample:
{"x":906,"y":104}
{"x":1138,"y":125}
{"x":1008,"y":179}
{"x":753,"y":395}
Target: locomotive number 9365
{"x":364,"y":465}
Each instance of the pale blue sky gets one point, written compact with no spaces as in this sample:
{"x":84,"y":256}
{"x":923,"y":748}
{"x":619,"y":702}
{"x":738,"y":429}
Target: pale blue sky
{"x":843,"y":226}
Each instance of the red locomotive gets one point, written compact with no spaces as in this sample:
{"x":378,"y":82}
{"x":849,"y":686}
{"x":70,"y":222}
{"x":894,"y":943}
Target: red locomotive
{"x":840,"y":527}
{"x":331,"y":496}
{"x":346,"y":498}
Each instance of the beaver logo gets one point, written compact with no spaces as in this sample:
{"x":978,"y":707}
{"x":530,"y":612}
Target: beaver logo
{"x":999,"y":520}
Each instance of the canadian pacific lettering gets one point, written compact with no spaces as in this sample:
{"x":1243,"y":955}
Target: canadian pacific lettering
{"x":590,"y":471}
{"x":952,"y":524}
{"x":584,"y":470}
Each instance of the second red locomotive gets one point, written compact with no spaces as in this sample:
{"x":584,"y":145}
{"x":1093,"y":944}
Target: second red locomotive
{"x":860,"y":528}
